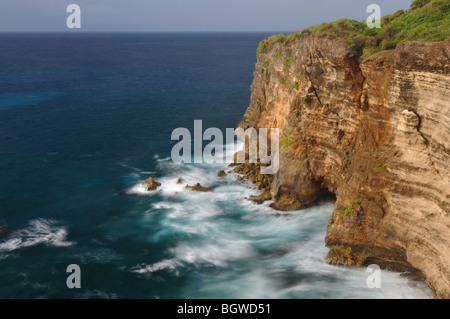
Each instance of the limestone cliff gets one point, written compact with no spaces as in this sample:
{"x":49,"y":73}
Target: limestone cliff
{"x":374,"y":132}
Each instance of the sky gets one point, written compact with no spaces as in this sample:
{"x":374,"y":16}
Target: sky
{"x":184,"y":15}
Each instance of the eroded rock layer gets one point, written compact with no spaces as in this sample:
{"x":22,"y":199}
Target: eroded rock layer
{"x":376,"y":133}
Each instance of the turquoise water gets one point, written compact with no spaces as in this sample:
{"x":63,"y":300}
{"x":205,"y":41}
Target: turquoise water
{"x":84,"y":119}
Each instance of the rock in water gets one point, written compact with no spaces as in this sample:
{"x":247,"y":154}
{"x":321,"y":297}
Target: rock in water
{"x":221,"y":173}
{"x":198,"y":188}
{"x":261,"y":198}
{"x":180,"y":181}
{"x":150,"y":184}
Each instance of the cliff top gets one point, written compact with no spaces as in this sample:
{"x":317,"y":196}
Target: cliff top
{"x":425,"y":20}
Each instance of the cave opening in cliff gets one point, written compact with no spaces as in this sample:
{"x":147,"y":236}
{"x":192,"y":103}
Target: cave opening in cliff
{"x":327,"y":195}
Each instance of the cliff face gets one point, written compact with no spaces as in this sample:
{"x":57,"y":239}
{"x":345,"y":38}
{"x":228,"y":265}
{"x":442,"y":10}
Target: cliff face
{"x":376,"y":133}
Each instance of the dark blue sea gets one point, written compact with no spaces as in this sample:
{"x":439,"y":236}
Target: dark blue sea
{"x":85,"y":118}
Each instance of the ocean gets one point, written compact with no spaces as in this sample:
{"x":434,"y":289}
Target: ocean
{"x":86,"y":118}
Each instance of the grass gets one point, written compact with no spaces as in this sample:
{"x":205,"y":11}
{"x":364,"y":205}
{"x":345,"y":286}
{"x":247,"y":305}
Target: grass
{"x":280,"y":38}
{"x":285,"y":143}
{"x":262,"y":46}
{"x":376,"y":165}
{"x":380,"y":166}
{"x":282,"y":80}
{"x":349,"y":211}
{"x":294,"y":101}
{"x":278,"y":54}
{"x":425,"y":20}
{"x":286,"y":63}
{"x":266,"y":44}
{"x":346,"y":212}
{"x":330,"y":222}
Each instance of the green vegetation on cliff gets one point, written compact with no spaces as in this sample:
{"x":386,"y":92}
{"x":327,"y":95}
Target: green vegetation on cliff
{"x":425,"y":20}
{"x":285,"y":143}
{"x":349,"y":211}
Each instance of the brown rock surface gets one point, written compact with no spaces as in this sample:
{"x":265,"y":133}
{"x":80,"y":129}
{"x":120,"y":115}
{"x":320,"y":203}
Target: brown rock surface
{"x":261,"y":198}
{"x":150,"y":184}
{"x":198,"y":188}
{"x":221,"y":173}
{"x":375,"y":133}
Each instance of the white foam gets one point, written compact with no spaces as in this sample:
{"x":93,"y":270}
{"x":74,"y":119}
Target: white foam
{"x":135,"y":169}
{"x":139,"y":189}
{"x":39,"y":231}
{"x":169,"y":186}
{"x":253,"y":284}
{"x":167,"y":264}
{"x":217,"y":254}
{"x":205,"y":174}
{"x":291,"y":242}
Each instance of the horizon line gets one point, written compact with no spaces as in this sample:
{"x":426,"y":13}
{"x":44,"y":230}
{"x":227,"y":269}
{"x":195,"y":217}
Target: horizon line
{"x":178,"y":32}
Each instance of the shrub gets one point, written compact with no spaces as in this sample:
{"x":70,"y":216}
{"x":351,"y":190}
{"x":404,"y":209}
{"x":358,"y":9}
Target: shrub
{"x":263,"y":45}
{"x":280,"y":38}
{"x":419,"y":4}
{"x":426,"y":20}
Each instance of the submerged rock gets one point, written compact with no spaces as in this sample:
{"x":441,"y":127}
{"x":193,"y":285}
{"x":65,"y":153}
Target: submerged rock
{"x":252,"y":172}
{"x":287,"y":203}
{"x":198,"y":188}
{"x":221,"y":173}
{"x":261,"y":198}
{"x":150,"y":184}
